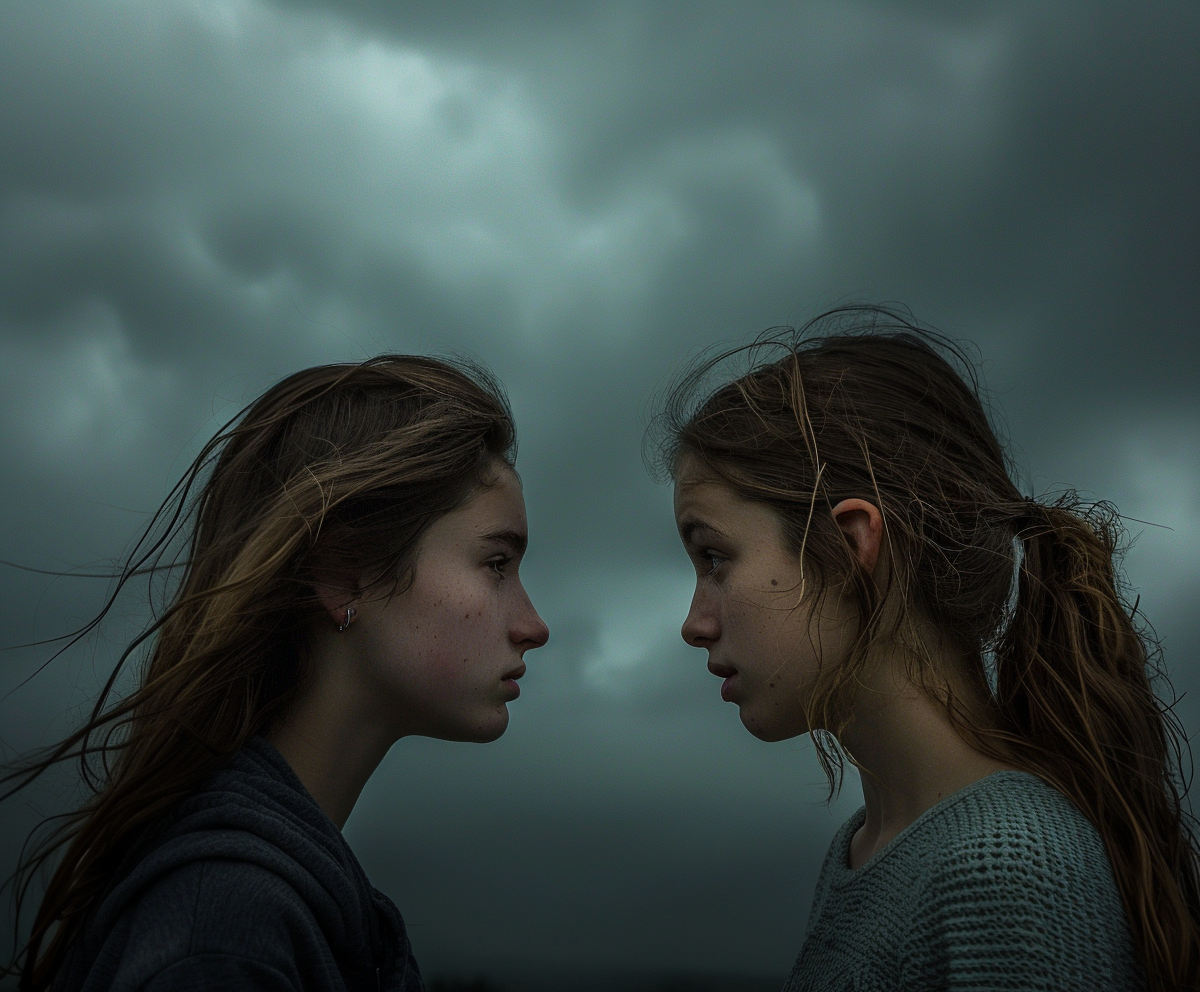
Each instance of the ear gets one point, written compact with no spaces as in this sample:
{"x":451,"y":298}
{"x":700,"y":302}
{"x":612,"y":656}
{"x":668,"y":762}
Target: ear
{"x":862,"y":523}
{"x":334,"y":600}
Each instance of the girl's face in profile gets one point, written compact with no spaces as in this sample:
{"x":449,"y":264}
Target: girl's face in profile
{"x":444,"y":655}
{"x":748,"y":609}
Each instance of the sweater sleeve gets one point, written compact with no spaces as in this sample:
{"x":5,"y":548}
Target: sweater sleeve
{"x":1010,"y":912}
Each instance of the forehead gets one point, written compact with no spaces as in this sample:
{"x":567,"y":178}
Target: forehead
{"x":501,"y":498}
{"x":691,"y":476}
{"x":499,"y":506}
{"x":704,"y":500}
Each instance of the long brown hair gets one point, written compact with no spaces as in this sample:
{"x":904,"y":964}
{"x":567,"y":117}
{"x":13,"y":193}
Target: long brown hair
{"x":863,"y":402}
{"x":335,"y":471}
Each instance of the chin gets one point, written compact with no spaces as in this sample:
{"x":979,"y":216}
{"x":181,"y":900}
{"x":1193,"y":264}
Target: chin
{"x":765,"y":731}
{"x":486,"y":737}
{"x":487,"y":728}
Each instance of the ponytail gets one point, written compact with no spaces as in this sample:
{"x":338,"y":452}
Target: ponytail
{"x":864,"y":402}
{"x":1077,"y":709}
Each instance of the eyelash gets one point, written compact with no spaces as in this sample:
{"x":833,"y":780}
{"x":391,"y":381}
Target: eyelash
{"x":712,"y":559}
{"x":500,"y":565}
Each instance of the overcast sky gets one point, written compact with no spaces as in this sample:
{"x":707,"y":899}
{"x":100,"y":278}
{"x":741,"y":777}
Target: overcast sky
{"x":198,"y":197}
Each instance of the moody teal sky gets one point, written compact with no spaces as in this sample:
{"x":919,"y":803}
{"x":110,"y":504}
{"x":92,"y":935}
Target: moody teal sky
{"x":198,"y":197}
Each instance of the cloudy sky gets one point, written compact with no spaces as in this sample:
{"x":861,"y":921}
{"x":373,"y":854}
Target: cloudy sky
{"x":198,"y":197}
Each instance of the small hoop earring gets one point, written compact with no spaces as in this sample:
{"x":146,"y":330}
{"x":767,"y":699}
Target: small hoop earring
{"x":350,"y":611}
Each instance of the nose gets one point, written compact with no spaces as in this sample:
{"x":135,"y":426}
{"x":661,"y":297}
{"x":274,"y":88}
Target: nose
{"x":529,"y":631}
{"x":701,"y":628}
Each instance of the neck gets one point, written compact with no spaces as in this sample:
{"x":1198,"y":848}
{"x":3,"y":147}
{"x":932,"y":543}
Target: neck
{"x":909,"y":757}
{"x":332,"y":739}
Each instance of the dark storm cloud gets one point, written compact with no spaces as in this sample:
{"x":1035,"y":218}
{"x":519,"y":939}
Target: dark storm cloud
{"x":197,"y":198}
{"x":991,"y":152}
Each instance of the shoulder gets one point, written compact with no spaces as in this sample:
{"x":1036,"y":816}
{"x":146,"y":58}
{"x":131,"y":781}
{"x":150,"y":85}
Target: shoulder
{"x":245,"y":869}
{"x":1012,"y":830}
{"x":211,"y":918}
{"x":227,"y":905}
{"x":1013,"y":872}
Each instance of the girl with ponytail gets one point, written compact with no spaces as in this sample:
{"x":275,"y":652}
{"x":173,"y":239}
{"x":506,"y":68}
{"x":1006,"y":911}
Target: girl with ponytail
{"x":346,"y":554}
{"x":868,"y":573}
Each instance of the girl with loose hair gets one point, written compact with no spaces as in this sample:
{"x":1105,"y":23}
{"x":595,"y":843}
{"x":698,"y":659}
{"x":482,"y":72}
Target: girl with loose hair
{"x":344,"y":558}
{"x":868,"y":573}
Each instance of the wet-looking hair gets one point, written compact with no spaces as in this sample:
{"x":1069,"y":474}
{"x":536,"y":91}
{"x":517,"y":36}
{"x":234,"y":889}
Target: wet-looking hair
{"x":334,"y":474}
{"x":864,"y":403}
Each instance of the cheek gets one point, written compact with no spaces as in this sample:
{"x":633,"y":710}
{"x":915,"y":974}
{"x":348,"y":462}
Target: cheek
{"x":770,"y":642}
{"x":454,"y":627}
{"x":750,"y":623}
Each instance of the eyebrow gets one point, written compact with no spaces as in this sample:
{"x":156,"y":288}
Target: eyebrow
{"x":515,"y":540}
{"x":690,"y":526}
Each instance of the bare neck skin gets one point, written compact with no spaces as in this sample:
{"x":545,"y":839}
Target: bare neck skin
{"x":907,"y":751}
{"x":909,"y":757}
{"x":333,"y":737}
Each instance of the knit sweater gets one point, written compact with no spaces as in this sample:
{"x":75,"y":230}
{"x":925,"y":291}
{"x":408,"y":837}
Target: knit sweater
{"x":1003,"y":885}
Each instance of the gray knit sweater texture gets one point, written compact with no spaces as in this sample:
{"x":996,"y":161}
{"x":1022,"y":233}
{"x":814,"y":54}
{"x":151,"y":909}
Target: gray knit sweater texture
{"x":1003,"y":885}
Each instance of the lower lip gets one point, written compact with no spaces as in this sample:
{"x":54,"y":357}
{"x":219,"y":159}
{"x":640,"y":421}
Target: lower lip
{"x":727,"y":688}
{"x":511,"y":686}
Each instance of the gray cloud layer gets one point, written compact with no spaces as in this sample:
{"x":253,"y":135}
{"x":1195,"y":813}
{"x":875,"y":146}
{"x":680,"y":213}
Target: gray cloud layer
{"x":197,"y":198}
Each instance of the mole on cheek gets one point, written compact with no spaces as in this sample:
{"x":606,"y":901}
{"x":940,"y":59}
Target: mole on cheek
{"x":774,"y":582}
